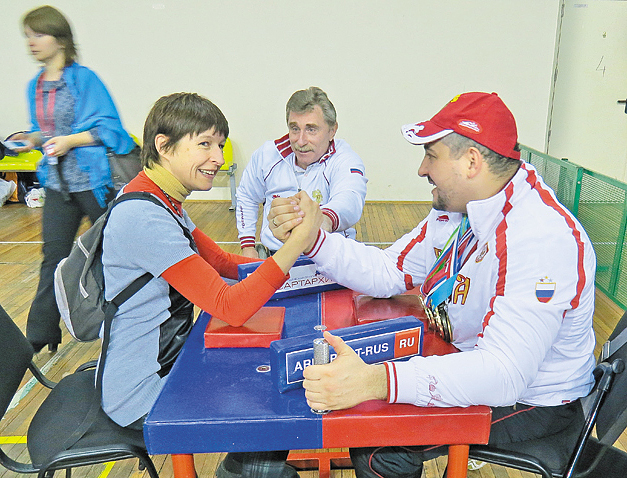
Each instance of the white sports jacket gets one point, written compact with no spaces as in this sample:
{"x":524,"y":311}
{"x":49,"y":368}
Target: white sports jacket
{"x":337,"y":182}
{"x":521,"y":308}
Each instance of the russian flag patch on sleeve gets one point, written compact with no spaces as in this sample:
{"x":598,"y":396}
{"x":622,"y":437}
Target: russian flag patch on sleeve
{"x":357,"y":171}
{"x":545,"y":289}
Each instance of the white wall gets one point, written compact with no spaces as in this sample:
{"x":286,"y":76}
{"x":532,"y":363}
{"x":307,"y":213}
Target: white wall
{"x":589,"y":127}
{"x":382,"y":63}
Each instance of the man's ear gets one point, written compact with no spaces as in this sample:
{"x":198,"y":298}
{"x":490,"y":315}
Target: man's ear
{"x":475,"y":162}
{"x":333,"y":131}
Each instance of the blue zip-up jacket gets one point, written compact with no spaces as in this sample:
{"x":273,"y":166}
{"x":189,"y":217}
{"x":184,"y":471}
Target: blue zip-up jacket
{"x":93,"y":108}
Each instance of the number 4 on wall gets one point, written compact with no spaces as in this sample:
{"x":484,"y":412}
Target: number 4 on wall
{"x":601,"y":68}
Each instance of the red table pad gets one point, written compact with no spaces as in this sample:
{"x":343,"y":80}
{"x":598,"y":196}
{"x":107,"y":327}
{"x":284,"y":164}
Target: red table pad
{"x":370,"y":309}
{"x":262,"y":328}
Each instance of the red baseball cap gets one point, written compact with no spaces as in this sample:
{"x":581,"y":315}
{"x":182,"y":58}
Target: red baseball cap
{"x":482,"y":117}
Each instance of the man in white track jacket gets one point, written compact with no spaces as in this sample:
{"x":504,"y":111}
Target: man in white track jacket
{"x":520,"y":306}
{"x":308,"y":158}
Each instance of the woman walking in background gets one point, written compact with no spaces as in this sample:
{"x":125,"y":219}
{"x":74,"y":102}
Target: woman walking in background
{"x":75,"y":122}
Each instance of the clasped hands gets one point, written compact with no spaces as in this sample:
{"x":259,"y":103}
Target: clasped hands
{"x":287,"y":215}
{"x":346,"y":381}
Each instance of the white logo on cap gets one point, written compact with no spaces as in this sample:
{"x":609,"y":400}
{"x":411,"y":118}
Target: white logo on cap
{"x":469,"y":124}
{"x":416,"y":129}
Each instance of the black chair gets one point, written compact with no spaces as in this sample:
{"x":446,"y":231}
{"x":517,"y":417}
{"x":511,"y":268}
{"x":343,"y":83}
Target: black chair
{"x":576,"y":453}
{"x":52,"y":439}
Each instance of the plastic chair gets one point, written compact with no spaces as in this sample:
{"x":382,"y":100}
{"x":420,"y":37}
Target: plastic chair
{"x":578,"y":455}
{"x":18,"y":162}
{"x":50,"y":437}
{"x":229,"y":168}
{"x":22,"y":162}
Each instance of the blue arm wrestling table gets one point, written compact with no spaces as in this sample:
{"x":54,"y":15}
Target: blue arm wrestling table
{"x":223,"y":400}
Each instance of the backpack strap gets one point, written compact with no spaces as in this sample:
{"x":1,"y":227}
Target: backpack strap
{"x":110,"y":309}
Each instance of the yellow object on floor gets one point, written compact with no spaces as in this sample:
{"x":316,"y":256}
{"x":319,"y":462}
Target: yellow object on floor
{"x":22,"y":162}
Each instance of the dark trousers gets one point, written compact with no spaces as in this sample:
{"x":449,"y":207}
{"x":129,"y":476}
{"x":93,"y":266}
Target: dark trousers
{"x":262,"y":464}
{"x":510,"y":425}
{"x":60,"y":222}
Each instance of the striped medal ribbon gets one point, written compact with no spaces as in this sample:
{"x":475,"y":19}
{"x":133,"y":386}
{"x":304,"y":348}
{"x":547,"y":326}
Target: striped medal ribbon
{"x":438,"y":286}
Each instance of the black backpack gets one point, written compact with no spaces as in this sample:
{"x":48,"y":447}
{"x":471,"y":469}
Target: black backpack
{"x":79,"y":278}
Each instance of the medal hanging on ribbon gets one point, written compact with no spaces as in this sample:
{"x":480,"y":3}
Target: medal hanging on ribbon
{"x":438,"y":286}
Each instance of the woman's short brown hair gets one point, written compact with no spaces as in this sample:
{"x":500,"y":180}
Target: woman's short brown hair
{"x":176,"y":116}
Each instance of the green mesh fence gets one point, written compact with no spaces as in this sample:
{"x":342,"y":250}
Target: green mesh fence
{"x":600,"y":204}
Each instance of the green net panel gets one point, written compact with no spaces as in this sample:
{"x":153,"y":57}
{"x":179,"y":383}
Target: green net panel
{"x":599,"y":202}
{"x":562,"y":176}
{"x":601,"y":210}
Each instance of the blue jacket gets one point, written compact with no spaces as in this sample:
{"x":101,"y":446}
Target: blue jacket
{"x":94,"y":108}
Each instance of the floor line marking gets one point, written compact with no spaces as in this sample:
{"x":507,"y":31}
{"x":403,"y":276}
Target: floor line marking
{"x":28,"y":386}
{"x":12,"y":440}
{"x":107,"y":470}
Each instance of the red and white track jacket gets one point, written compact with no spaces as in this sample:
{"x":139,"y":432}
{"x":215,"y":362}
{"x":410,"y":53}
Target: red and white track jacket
{"x":521,"y":307}
{"x":337,"y":182}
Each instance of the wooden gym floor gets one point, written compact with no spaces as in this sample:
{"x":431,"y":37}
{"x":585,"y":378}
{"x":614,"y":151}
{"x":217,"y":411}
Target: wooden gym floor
{"x":20,"y":256}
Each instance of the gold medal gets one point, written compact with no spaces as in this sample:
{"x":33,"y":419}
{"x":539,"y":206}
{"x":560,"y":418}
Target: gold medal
{"x":438,"y":319}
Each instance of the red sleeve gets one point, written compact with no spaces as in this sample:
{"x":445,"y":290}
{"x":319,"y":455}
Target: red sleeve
{"x":199,"y":282}
{"x":223,"y":262}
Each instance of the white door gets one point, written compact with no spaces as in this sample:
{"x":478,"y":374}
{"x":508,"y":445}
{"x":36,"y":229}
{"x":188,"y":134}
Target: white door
{"x":588,"y":124}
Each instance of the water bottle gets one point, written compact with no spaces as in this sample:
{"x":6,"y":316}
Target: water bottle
{"x":52,"y":160}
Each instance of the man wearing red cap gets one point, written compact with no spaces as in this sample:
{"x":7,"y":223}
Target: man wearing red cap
{"x":506,"y":273}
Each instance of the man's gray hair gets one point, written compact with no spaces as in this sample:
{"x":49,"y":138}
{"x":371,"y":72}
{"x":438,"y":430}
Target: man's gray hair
{"x":499,"y":165}
{"x":304,"y":101}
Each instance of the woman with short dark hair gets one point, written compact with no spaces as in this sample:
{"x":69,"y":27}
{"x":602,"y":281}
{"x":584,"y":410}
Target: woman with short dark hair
{"x":182,"y":151}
